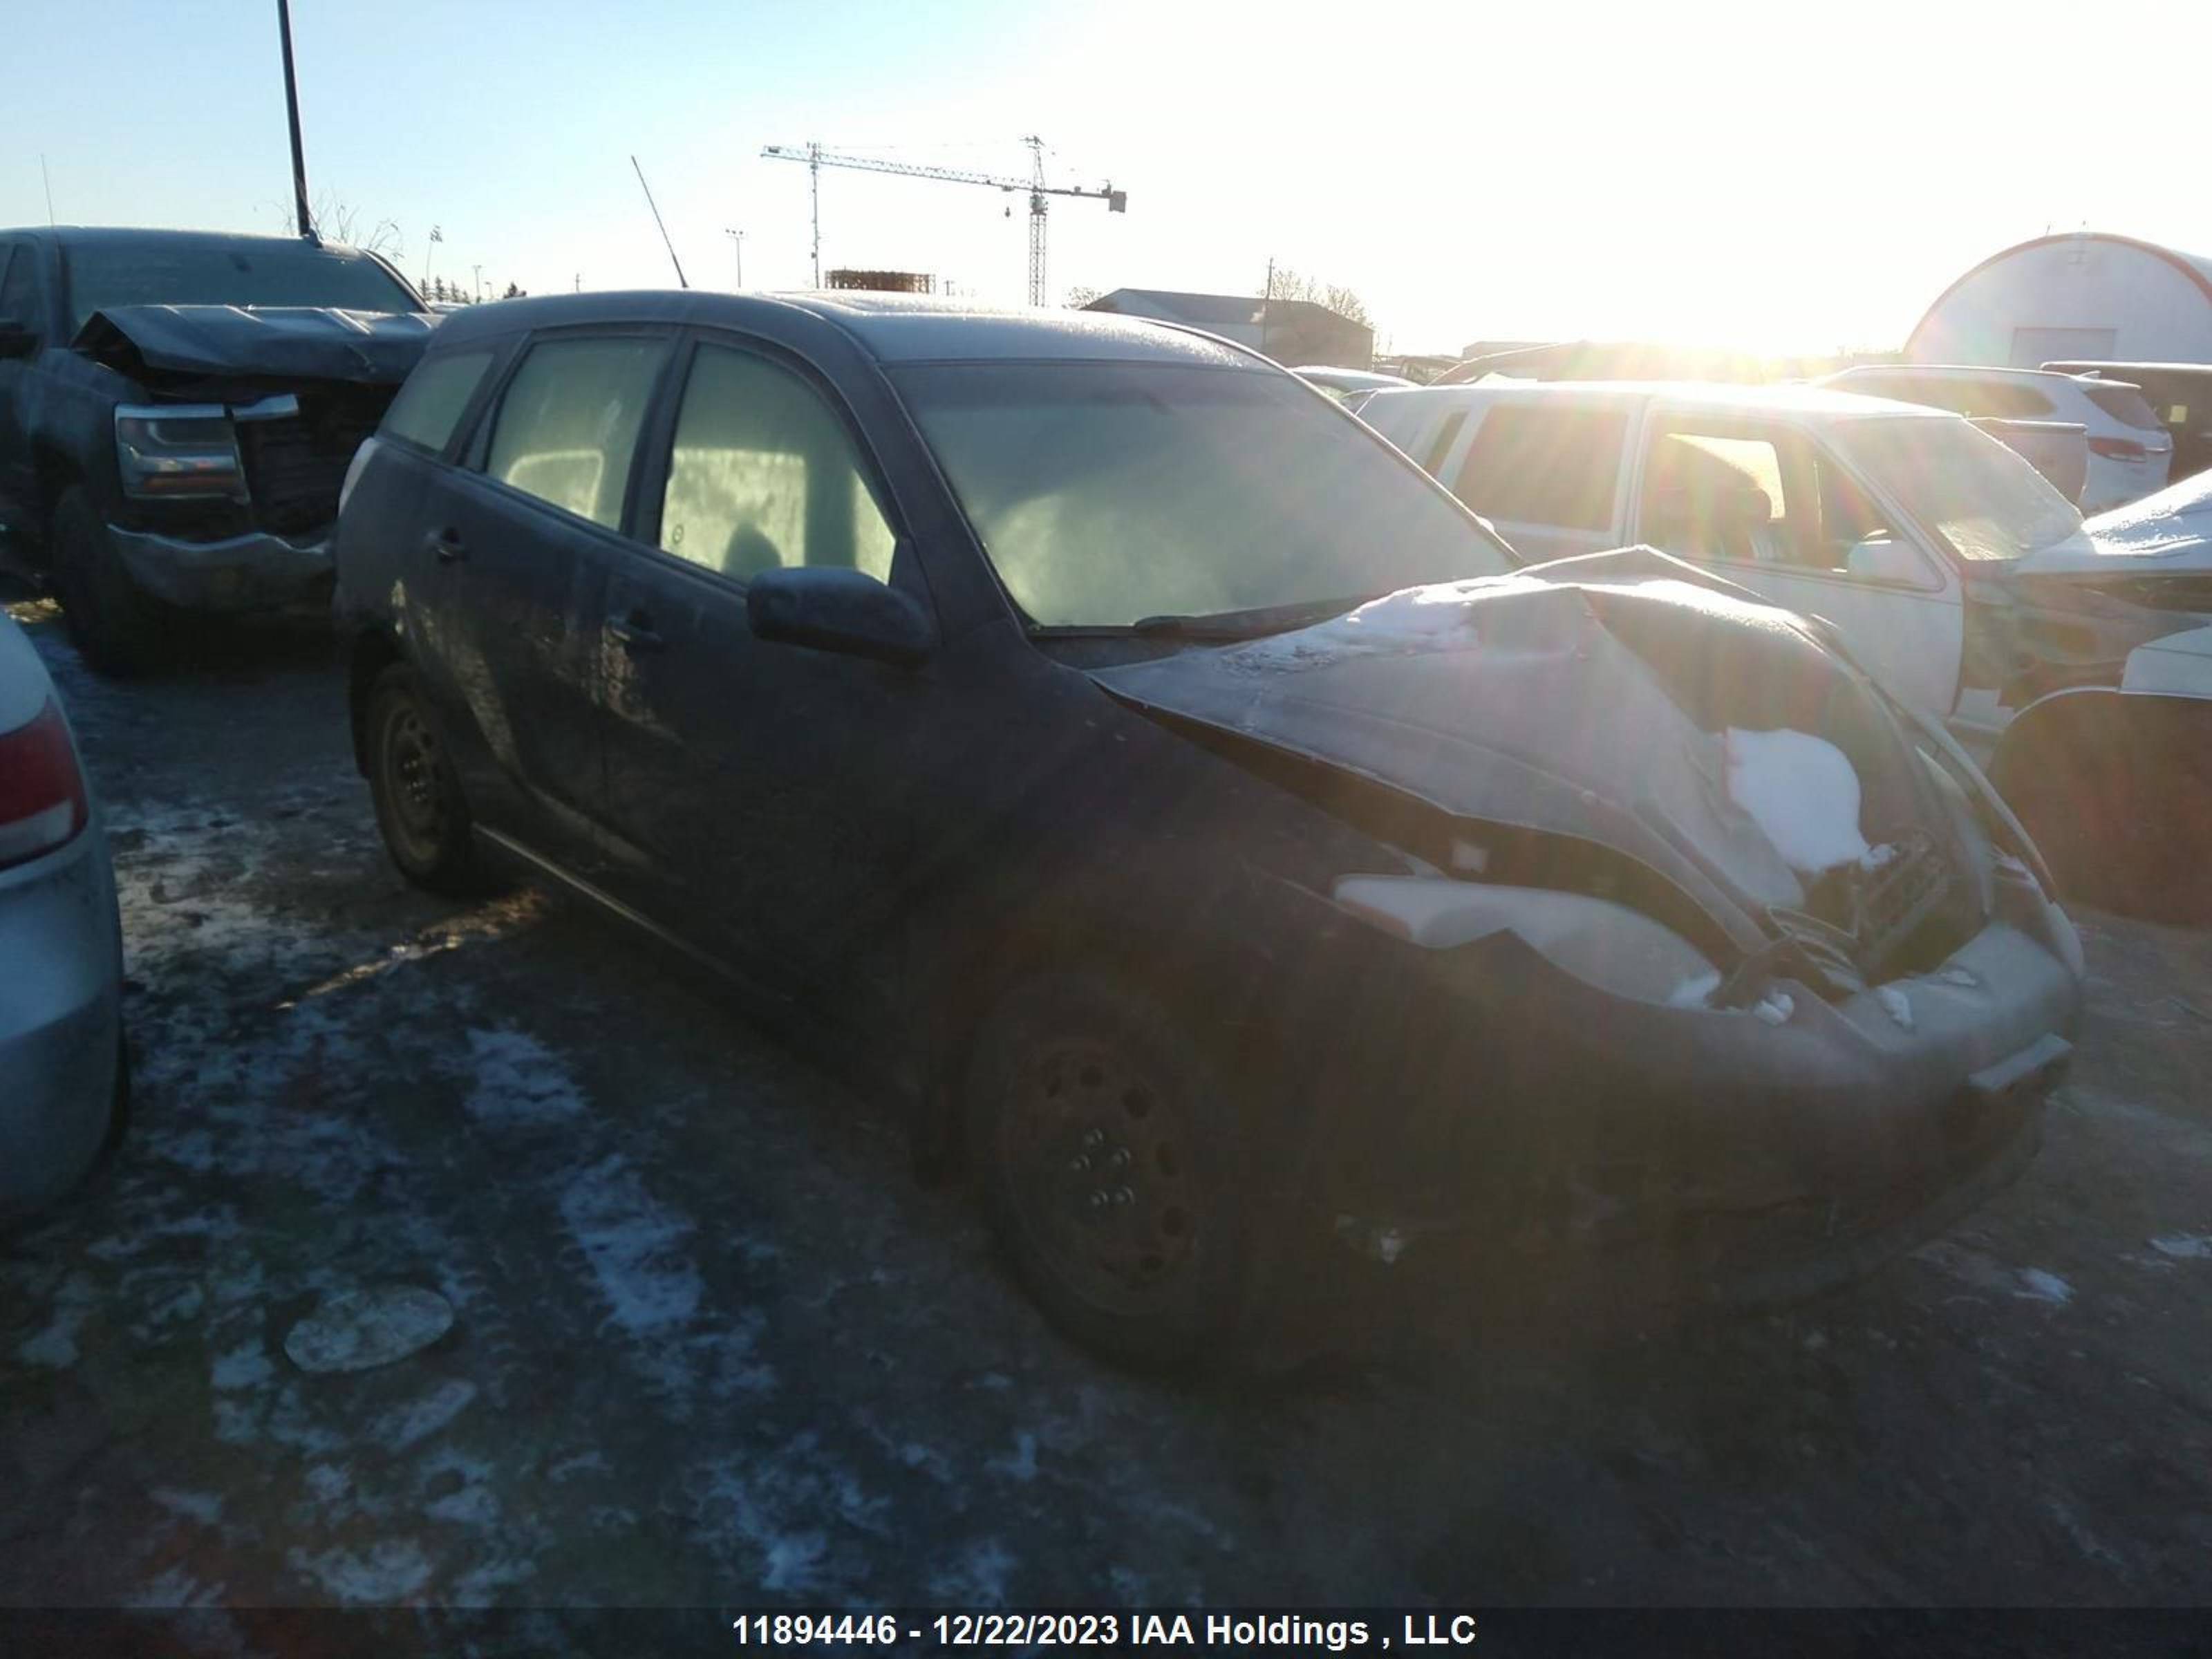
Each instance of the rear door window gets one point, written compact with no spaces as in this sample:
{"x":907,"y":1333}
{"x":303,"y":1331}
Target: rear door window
{"x":762,"y":474}
{"x":430,"y":404}
{"x":568,"y":425}
{"x":1547,"y":466}
{"x":2126,"y":404}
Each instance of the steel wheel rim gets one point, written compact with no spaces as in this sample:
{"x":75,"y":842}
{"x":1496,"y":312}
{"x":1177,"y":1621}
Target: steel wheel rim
{"x":414,"y":785}
{"x":1100,"y":1159}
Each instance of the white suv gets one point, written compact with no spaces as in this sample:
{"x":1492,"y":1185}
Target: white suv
{"x":2129,"y":450}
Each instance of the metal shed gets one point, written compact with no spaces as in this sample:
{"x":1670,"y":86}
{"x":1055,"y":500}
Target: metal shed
{"x":2083,"y":294}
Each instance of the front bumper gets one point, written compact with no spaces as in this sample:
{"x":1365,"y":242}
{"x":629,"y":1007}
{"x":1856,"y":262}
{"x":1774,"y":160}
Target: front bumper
{"x":1692,"y":1153}
{"x":60,"y":1026}
{"x":256,"y":571}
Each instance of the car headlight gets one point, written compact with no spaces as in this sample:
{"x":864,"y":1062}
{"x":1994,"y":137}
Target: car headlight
{"x":168,"y":450}
{"x":1604,"y":944}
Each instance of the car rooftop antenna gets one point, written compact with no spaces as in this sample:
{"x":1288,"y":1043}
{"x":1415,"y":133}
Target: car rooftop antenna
{"x":672,"y":259}
{"x":306,"y":224}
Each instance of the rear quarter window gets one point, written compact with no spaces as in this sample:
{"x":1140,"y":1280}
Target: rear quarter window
{"x":430,"y":403}
{"x":2124,"y":405}
{"x":1550,"y":466}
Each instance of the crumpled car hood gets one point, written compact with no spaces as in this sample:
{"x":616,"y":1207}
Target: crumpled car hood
{"x":281,"y":342}
{"x":1587,"y":697}
{"x":2169,"y":532}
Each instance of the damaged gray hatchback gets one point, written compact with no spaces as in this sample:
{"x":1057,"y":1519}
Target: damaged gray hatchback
{"x":1247,"y":866}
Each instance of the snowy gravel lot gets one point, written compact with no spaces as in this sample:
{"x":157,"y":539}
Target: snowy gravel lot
{"x":712,"y":1346}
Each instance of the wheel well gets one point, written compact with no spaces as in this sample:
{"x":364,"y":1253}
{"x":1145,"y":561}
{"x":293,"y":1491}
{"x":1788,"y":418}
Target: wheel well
{"x":55,"y":473}
{"x":372,"y":653}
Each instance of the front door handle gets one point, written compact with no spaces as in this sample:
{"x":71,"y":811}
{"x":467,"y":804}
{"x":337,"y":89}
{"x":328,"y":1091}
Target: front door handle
{"x":635,"y":633}
{"x":447,"y":545}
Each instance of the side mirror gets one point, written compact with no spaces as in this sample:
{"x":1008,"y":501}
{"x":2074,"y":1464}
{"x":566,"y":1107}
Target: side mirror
{"x":16,"y":341}
{"x":831,"y":609}
{"x":1898,"y":563}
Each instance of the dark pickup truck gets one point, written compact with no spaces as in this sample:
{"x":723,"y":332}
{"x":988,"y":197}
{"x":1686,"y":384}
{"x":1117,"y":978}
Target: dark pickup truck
{"x":178,"y":409}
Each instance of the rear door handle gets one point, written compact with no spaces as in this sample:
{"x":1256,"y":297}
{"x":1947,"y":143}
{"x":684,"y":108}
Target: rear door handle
{"x":447,"y":545}
{"x":635,"y":632}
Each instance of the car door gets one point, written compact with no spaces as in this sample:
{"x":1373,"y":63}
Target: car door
{"x":754,"y":789}
{"x":1763,"y":504}
{"x":512,"y":555}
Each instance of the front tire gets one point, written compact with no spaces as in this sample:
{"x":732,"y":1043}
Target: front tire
{"x":1102,"y":1139}
{"x":117,"y":627}
{"x":421,"y":812}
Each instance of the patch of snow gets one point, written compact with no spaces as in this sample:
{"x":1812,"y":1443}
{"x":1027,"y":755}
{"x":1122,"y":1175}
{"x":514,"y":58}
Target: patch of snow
{"x":2037,"y":1285}
{"x":358,"y":1329}
{"x":978,"y":1579}
{"x":517,"y":1080}
{"x":471,"y":1506}
{"x":205,"y":1507}
{"x":56,"y":1346}
{"x":328,"y":1482}
{"x":1775,"y":1007}
{"x":175,"y":1587}
{"x":1895,"y":1004}
{"x":388,"y":1571}
{"x":247,"y":1366}
{"x":1440,"y":617}
{"x":1959,"y":976}
{"x":405,"y":1426}
{"x":1022,"y":1465}
{"x":1694,"y":993}
{"x":2185,"y":1247}
{"x":1876,"y":856}
{"x":633,"y":1247}
{"x":1802,"y":793}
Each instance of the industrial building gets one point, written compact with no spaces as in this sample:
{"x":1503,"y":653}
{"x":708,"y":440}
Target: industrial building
{"x":1288,"y":331}
{"x":2084,"y":295}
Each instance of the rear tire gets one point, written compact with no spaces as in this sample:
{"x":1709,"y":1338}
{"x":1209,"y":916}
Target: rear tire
{"x":117,"y":627}
{"x":421,"y":812}
{"x":1103,"y":1140}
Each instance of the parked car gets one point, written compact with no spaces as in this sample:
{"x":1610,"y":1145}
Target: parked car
{"x":1342,"y":383}
{"x":64,"y":1081}
{"x":2179,"y":394}
{"x":177,"y":409}
{"x":1243,"y":859}
{"x":2129,"y":450}
{"x":2080,"y":669}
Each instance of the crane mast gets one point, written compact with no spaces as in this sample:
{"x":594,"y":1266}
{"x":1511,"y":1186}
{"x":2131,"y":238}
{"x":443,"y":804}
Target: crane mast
{"x":1034,"y":187}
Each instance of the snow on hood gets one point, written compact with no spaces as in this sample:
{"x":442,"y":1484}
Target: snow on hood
{"x":1592,"y":697}
{"x":308,"y":342}
{"x":2171,"y":527}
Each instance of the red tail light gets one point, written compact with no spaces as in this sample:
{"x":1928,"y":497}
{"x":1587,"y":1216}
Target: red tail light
{"x":2119,"y":449}
{"x":42,"y":804}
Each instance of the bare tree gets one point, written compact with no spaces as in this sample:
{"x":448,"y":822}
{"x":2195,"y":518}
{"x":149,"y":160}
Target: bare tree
{"x":1080,"y":296}
{"x":1294,"y":285}
{"x":341,"y":222}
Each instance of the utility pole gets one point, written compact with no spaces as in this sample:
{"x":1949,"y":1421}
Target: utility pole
{"x":814,"y":187}
{"x":1267,"y":306}
{"x":306,"y":221}
{"x":478,"y":270}
{"x":738,"y":248}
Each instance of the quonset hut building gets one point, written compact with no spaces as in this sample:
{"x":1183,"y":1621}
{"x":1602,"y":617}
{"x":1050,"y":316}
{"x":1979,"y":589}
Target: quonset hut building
{"x":2085,"y":295}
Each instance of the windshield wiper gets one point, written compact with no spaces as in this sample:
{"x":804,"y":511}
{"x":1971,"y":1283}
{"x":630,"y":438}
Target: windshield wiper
{"x":1252,"y":624}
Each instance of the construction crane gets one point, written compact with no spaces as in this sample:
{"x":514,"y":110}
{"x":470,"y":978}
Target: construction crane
{"x":817,"y":158}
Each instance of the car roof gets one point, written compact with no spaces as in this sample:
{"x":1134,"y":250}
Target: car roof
{"x":1712,"y":396}
{"x":124,"y":236}
{"x":892,"y":327}
{"x":1962,"y":371}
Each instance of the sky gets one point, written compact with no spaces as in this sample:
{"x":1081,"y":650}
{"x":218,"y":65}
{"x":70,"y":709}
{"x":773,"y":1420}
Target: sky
{"x":1777,"y":177}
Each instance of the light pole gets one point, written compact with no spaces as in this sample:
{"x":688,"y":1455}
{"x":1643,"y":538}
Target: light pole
{"x":478,"y":270}
{"x":737,"y":248}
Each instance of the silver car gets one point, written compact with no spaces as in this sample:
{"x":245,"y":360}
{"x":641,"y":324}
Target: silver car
{"x":64,"y":1079}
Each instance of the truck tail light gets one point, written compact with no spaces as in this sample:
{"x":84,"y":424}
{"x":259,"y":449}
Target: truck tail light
{"x":2119,"y":449}
{"x":42,"y":801}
